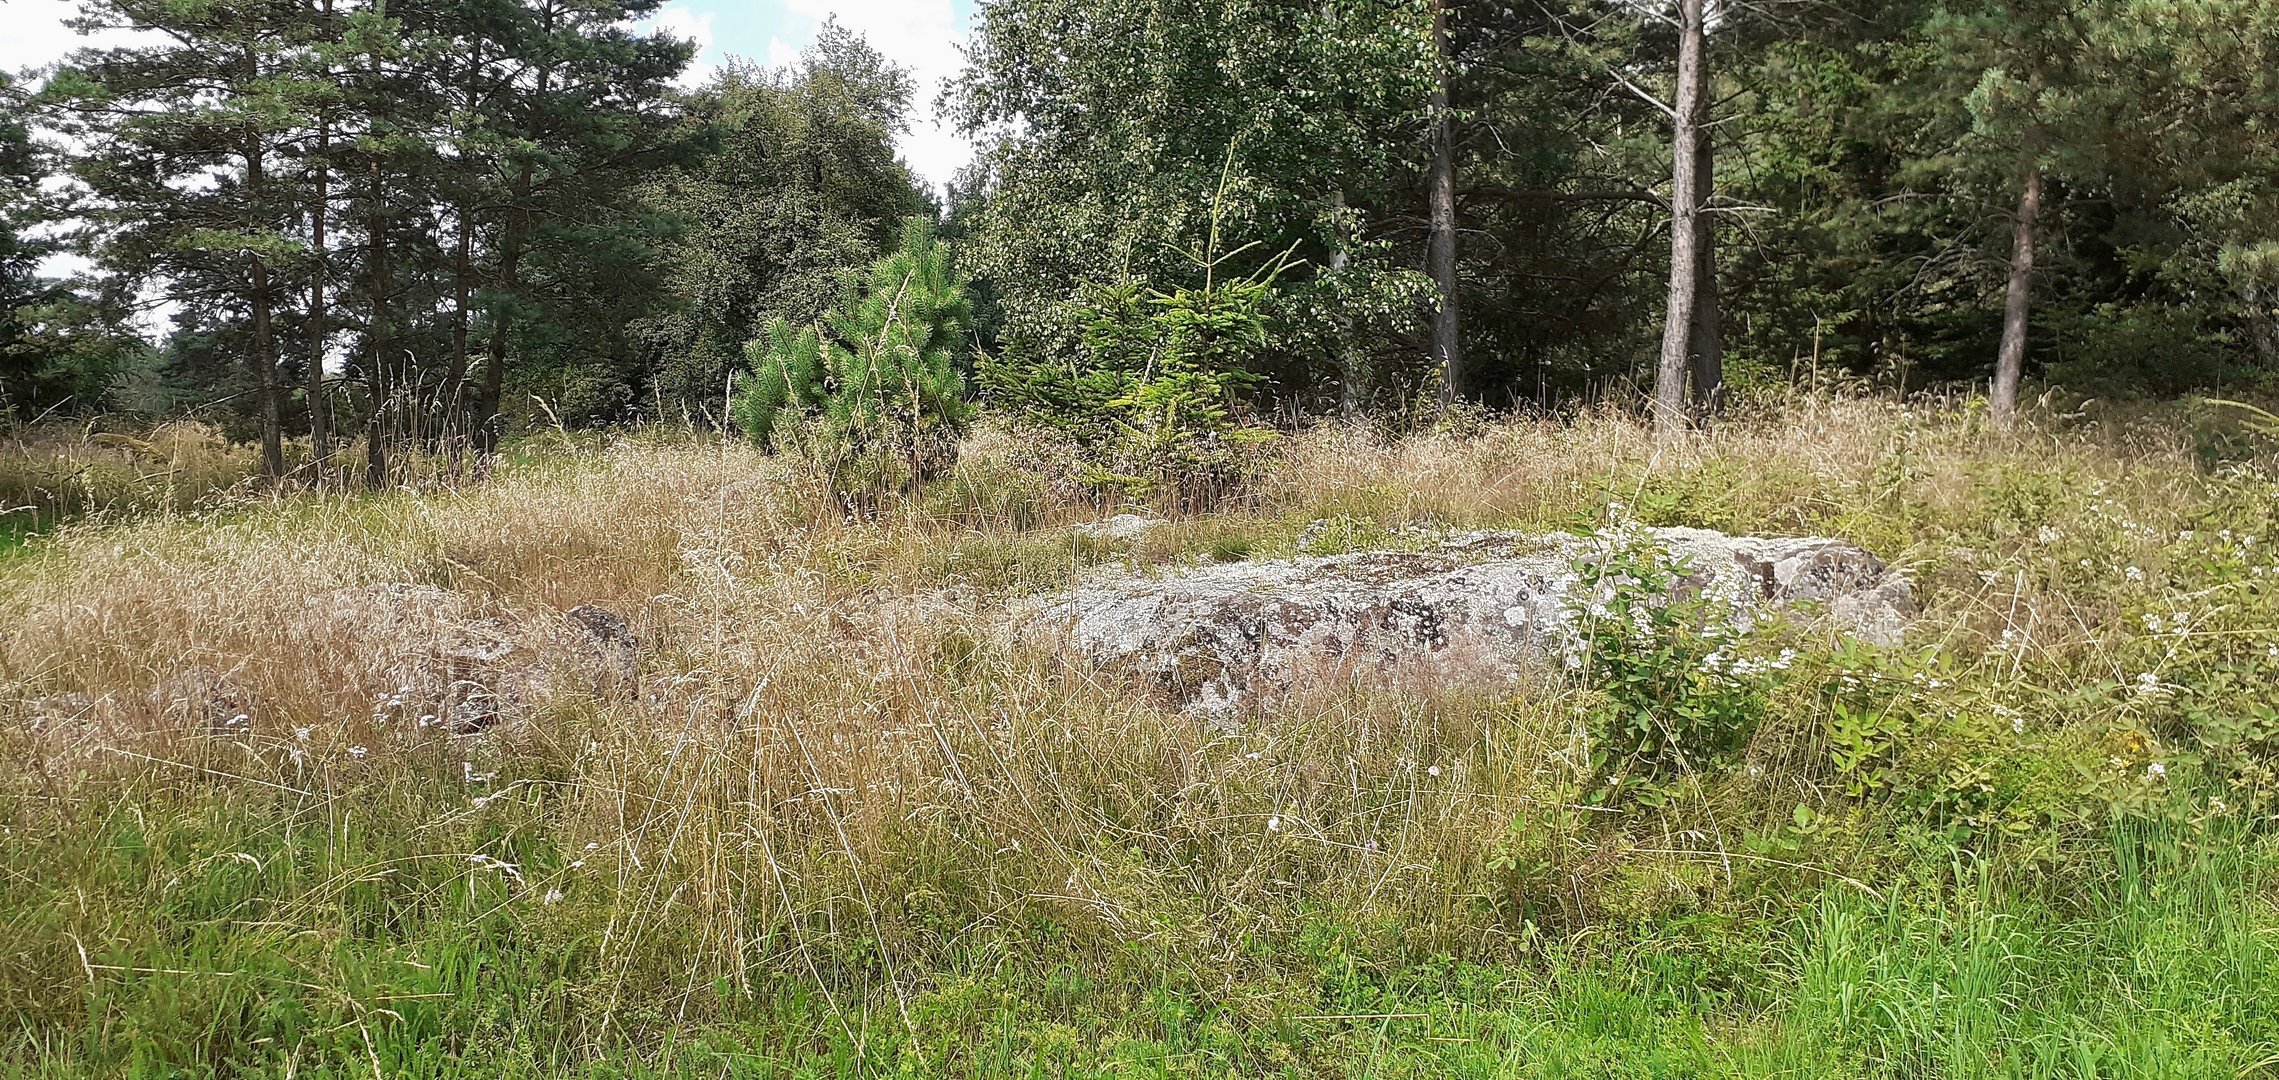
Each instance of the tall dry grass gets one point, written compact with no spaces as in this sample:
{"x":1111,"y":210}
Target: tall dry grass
{"x":836,"y":767}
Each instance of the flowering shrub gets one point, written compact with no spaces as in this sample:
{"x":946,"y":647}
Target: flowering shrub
{"x":1679,"y":691}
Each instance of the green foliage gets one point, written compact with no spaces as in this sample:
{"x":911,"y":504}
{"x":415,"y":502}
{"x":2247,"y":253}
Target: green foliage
{"x":799,"y":188}
{"x":1153,"y":397}
{"x":1107,"y":125}
{"x":1678,"y":692}
{"x":875,"y":390}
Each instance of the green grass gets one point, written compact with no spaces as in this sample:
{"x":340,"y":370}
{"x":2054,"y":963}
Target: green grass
{"x":231,"y":933}
{"x":846,"y":829}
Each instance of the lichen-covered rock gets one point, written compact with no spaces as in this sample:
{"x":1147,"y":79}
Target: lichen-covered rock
{"x":1478,"y":606}
{"x":1120,"y":527}
{"x":606,"y":643}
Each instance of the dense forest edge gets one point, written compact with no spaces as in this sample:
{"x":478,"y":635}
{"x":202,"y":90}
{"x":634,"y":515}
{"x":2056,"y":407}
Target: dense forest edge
{"x":512,"y":562}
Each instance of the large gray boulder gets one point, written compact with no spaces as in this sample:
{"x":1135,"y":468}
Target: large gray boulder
{"x":1489,"y":605}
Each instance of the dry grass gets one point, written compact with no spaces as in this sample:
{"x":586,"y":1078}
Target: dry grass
{"x":835,"y":768}
{"x":56,"y":471}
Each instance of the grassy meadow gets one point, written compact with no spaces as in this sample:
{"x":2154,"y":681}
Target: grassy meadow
{"x":305,"y":785}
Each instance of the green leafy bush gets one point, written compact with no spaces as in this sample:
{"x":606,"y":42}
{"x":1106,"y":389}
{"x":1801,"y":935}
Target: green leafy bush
{"x":1678,"y":692}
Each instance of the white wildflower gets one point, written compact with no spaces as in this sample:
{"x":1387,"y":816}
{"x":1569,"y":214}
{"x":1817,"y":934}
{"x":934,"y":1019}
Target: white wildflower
{"x":2156,"y":771}
{"x":356,"y":751}
{"x":1433,"y":771}
{"x":552,"y":896}
{"x":1274,"y":824}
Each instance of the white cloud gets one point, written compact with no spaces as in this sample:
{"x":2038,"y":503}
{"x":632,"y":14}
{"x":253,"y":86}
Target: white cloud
{"x":36,"y":37}
{"x":781,"y":53}
{"x":688,"y":24}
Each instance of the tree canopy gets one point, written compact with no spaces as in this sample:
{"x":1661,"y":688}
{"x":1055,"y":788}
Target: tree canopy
{"x":424,"y":223}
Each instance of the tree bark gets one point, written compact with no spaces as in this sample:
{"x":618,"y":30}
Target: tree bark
{"x":518,"y":222}
{"x":264,"y":352}
{"x":2010,"y":362}
{"x":320,"y":206}
{"x":376,"y":372}
{"x":265,"y":363}
{"x":494,"y":360}
{"x":1447,"y":322}
{"x":1708,"y":335}
{"x":257,"y":298}
{"x":320,"y":425}
{"x":455,"y":388}
{"x":2263,"y":324}
{"x":1669,"y":403}
{"x":1348,"y":361}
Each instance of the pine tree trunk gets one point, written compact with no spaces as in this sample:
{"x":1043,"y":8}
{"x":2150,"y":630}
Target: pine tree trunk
{"x":1708,"y":344}
{"x":264,"y":340}
{"x":455,"y":388}
{"x":320,"y":426}
{"x":2010,"y":363}
{"x":1685,"y":260}
{"x":487,"y":431}
{"x":2263,"y":324}
{"x":376,"y":372}
{"x":320,"y":206}
{"x":1447,"y":322}
{"x":265,"y":362}
{"x":487,"y":428}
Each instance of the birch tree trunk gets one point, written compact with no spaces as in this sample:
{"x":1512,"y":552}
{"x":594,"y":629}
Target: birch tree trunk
{"x":2263,"y":324}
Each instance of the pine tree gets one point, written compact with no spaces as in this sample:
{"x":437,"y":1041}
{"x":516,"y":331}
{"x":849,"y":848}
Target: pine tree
{"x":182,"y":137}
{"x":21,"y":368}
{"x":579,"y":116}
{"x":801,"y":187}
{"x":881,"y":385}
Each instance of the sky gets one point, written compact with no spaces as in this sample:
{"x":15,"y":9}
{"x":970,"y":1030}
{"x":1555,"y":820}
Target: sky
{"x":922,"y":35}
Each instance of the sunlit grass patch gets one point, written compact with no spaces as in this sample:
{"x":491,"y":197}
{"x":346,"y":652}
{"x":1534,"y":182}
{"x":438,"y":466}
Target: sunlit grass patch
{"x":300,"y":784}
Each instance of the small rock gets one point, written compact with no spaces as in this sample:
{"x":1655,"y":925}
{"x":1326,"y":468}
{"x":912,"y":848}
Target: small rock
{"x":1120,"y":527}
{"x":603,"y":638}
